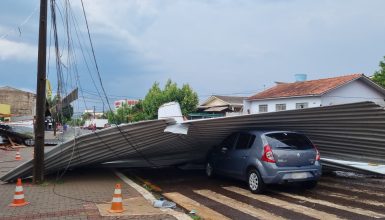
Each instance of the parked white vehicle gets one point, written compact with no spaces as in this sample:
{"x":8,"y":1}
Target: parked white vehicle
{"x":100,"y":123}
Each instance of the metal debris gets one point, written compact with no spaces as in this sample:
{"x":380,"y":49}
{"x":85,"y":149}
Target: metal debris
{"x":350,"y":132}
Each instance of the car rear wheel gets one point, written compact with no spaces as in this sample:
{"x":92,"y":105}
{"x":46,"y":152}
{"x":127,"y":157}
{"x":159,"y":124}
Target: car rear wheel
{"x":209,"y":170}
{"x":255,"y":182}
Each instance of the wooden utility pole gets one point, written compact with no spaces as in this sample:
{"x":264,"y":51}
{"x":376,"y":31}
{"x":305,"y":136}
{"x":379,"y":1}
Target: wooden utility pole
{"x":38,"y":161}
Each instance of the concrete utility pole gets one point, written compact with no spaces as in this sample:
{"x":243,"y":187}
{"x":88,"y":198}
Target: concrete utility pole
{"x":38,"y":161}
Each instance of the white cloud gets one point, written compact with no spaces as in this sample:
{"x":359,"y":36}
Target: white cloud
{"x":124,"y":21}
{"x":240,"y":45}
{"x":17,"y":50}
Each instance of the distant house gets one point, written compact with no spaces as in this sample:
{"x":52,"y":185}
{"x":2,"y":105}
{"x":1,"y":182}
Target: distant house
{"x":219,"y":106}
{"x":314,"y":93}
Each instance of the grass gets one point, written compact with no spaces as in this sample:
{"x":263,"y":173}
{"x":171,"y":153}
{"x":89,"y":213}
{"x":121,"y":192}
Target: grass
{"x":195,"y":217}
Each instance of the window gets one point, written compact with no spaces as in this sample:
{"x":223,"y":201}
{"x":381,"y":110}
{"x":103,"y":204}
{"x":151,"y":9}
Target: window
{"x":293,"y":141}
{"x":280,"y":107}
{"x":245,"y":141}
{"x":262,"y":108}
{"x":229,"y":141}
{"x":301,"y":105}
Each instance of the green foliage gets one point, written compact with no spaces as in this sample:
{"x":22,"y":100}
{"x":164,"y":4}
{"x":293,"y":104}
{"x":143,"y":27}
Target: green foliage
{"x":152,"y":101}
{"x":147,"y":109}
{"x":185,"y":96}
{"x":76,"y":122}
{"x":195,"y":217}
{"x":86,"y":116}
{"x":66,"y":112}
{"x":379,"y":75}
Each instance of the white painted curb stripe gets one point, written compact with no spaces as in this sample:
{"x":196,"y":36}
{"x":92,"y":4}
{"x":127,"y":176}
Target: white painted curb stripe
{"x":150,"y":197}
{"x":19,"y":196}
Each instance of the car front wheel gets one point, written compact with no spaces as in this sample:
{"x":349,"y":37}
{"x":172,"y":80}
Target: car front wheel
{"x":255,"y":182}
{"x":209,"y":170}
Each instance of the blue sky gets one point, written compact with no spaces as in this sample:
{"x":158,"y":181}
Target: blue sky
{"x":228,"y":47}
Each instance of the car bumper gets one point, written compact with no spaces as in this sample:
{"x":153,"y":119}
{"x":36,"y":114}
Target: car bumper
{"x":293,"y":175}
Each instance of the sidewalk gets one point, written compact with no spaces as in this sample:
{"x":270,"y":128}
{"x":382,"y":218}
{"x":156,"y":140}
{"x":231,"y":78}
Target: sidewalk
{"x":76,"y":196}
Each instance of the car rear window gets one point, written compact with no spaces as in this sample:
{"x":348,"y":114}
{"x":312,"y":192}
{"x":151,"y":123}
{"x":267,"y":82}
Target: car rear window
{"x":293,"y":141}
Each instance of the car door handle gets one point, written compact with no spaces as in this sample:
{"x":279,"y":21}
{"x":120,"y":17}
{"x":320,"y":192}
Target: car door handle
{"x":244,"y":157}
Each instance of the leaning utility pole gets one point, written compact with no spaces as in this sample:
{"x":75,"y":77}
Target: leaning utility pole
{"x":38,"y":161}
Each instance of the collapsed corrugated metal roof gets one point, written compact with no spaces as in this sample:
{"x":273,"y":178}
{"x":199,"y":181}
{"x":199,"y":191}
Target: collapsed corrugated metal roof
{"x":351,"y":132}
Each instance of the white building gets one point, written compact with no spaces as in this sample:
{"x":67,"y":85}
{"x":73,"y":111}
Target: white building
{"x":315,"y":93}
{"x":128,"y":102}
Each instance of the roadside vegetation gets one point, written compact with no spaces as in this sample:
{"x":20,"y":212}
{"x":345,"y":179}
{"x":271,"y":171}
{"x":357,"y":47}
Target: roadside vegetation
{"x":147,"y":109}
{"x":379,"y":75}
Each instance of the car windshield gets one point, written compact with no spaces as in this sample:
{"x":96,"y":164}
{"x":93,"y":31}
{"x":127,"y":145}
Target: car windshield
{"x":293,"y":141}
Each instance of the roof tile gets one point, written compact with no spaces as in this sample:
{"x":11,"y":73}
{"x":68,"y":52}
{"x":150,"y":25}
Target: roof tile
{"x":305,"y":88}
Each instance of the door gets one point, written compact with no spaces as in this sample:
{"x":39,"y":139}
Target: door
{"x":238,"y":157}
{"x":222,"y":154}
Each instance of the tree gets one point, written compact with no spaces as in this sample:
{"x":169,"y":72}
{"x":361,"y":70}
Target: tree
{"x":152,"y":101}
{"x":379,"y":75}
{"x":147,"y":109}
{"x":185,"y":96}
{"x":86,"y":116}
{"x":66,"y":112}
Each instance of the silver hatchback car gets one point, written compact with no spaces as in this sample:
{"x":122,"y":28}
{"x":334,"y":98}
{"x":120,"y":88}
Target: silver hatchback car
{"x":266,"y":157}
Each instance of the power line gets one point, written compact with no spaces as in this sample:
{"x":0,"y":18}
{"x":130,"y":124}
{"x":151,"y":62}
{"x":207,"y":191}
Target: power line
{"x":104,"y":92}
{"x":18,"y":28}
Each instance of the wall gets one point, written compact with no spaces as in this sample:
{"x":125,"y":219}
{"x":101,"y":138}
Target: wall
{"x":290,"y":103}
{"x":22,"y":103}
{"x":5,"y":109}
{"x":356,"y":91}
{"x":216,"y":102}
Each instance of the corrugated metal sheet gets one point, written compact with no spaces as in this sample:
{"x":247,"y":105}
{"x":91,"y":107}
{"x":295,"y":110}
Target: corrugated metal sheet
{"x":351,"y":132}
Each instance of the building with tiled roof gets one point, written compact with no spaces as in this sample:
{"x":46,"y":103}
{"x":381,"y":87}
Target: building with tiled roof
{"x":219,"y":106}
{"x":314,"y":93}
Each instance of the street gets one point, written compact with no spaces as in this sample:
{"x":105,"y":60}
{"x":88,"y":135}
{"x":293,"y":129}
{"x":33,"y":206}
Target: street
{"x":336,"y":197}
{"x":80,"y":191}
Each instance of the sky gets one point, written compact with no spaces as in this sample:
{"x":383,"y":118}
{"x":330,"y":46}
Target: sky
{"x":224,"y":47}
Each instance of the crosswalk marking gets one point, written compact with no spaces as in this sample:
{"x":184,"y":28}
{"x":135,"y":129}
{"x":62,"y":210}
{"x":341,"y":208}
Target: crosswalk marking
{"x":287,"y":205}
{"x":379,"y":184}
{"x":243,"y":207}
{"x":189,"y":204}
{"x":344,"y":187}
{"x":333,"y":205}
{"x":349,"y":197}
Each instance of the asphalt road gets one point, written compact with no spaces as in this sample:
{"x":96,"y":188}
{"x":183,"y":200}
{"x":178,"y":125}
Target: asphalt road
{"x":336,"y":197}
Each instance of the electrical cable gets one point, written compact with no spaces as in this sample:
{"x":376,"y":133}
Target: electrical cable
{"x":105,"y":94}
{"x":21,"y":24}
{"x":71,"y":67}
